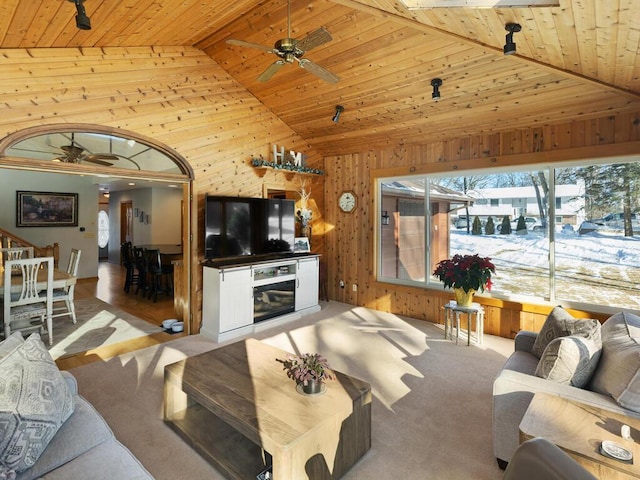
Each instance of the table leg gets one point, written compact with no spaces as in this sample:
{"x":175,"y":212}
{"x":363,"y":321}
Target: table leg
{"x":446,"y":322}
{"x":468,"y":329}
{"x":457,"y":327}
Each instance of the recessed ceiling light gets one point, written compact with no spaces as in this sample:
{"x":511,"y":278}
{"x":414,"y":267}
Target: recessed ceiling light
{"x":131,"y":184}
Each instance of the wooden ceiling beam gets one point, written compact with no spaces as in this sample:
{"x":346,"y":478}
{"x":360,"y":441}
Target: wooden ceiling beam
{"x":374,"y":11}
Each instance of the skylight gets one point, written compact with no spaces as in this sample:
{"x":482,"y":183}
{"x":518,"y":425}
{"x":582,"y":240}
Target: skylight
{"x":425,"y":4}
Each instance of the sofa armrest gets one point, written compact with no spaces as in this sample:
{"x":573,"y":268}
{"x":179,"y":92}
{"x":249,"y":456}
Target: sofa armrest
{"x":524,"y":341}
{"x":71,"y":382}
{"x":539,"y":458}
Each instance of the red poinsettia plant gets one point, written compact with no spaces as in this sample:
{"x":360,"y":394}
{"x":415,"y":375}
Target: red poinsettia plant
{"x":469,"y":272}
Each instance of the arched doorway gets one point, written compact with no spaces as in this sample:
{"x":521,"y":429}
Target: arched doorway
{"x":112,"y":160}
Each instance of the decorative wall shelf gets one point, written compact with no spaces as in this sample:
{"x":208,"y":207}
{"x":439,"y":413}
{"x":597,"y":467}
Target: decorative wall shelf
{"x":261,"y":164}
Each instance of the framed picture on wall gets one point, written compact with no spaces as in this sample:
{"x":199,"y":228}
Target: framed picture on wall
{"x":46,"y":209}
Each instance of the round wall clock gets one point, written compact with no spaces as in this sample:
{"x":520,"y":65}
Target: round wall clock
{"x":347,"y":202}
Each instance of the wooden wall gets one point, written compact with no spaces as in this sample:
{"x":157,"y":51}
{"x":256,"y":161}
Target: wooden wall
{"x":180,"y":97}
{"x":350,"y":241}
{"x":175,"y":95}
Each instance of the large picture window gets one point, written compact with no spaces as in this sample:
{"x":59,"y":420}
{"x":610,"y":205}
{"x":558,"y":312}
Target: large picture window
{"x":569,"y":235}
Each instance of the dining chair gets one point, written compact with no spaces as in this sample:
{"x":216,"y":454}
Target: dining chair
{"x":139,"y":277}
{"x":160,"y":275}
{"x":126,"y":257}
{"x":15,"y":253}
{"x":66,"y":294}
{"x":28,"y":296}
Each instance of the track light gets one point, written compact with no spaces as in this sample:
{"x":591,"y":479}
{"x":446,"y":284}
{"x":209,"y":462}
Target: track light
{"x":510,"y":46}
{"x":82,"y":21}
{"x":339,"y":110}
{"x":436,"y":83}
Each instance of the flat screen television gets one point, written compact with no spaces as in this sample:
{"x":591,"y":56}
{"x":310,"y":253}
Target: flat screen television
{"x":239,"y":227}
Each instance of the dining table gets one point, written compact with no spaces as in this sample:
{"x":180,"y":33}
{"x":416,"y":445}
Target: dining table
{"x":165,"y":249}
{"x":168,"y":252}
{"x":61,"y":279}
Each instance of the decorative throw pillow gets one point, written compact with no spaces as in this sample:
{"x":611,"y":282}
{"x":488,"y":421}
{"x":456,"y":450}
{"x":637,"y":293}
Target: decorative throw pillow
{"x":8,"y":345}
{"x":560,"y":323}
{"x":34,"y":402}
{"x":618,"y":372}
{"x":571,"y":360}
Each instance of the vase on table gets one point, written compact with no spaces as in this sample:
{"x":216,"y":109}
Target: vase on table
{"x":463,"y":299}
{"x":313,"y":387}
{"x":305,"y":231}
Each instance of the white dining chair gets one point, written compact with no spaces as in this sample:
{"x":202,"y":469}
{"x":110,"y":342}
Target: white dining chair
{"x":28,"y":296}
{"x":15,"y":253}
{"x":66,"y":294}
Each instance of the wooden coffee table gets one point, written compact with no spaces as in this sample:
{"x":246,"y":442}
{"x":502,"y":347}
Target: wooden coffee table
{"x":578,"y":429}
{"x":237,"y":408}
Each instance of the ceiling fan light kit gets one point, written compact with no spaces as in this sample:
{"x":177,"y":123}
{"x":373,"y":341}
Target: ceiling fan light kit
{"x":82,"y":21}
{"x":291,"y":50}
{"x":510,"y":45}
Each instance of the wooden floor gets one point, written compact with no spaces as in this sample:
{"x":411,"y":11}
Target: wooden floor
{"x":109,"y":289}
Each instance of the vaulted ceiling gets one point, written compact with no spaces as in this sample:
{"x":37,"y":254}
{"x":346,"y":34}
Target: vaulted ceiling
{"x":576,"y":61}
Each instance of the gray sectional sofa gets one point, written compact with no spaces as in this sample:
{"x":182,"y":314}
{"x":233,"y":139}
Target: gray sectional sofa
{"x":49,"y":431}
{"x":607,"y":377}
{"x":85,"y":447}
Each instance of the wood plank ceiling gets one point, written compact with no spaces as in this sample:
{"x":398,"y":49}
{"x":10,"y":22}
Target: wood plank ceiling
{"x":576,"y":61}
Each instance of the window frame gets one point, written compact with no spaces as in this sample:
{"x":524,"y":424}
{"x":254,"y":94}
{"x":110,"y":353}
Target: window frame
{"x":431,"y":283}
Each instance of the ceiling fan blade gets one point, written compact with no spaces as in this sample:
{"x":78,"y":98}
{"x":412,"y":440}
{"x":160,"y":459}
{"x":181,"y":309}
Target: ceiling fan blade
{"x":319,"y":71}
{"x":271,"y":70}
{"x":314,"y":39}
{"x":102,"y":156}
{"x":96,"y":161}
{"x":242,"y":43}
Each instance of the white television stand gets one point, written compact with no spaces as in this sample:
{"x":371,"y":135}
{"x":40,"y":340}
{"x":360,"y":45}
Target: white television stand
{"x":228,"y":304}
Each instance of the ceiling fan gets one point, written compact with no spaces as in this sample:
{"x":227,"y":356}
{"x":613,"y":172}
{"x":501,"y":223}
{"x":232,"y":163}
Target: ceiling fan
{"x":291,"y":50}
{"x":76,"y":154}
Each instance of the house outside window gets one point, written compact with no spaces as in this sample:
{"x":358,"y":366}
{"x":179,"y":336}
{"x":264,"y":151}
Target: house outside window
{"x":575,"y":250}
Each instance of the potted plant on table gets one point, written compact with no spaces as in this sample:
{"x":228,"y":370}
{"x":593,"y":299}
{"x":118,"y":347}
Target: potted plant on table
{"x":309,"y":371}
{"x":466,"y":274}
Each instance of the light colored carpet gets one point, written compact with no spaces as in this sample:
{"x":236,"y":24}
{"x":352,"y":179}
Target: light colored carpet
{"x":98,"y":324}
{"x":431,"y":413}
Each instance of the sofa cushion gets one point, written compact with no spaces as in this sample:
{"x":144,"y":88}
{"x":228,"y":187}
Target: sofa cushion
{"x":108,"y":461}
{"x":618,"y":372}
{"x":560,"y":323}
{"x":8,"y":345}
{"x":34,"y":402}
{"x":571,"y":359}
{"x":84,"y":430}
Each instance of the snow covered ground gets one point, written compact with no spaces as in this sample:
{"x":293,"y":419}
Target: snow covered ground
{"x":595,"y":268}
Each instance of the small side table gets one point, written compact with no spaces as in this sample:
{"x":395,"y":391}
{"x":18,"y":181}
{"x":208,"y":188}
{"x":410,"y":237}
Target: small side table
{"x":453,"y":310}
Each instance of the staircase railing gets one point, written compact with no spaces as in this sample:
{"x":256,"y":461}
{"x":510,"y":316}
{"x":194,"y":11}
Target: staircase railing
{"x":8,"y":240}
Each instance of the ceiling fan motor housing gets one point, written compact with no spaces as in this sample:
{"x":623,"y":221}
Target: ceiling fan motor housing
{"x":287,"y":46}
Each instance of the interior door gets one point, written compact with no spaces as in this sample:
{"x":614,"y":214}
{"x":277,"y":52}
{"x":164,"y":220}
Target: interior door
{"x":126,"y":222}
